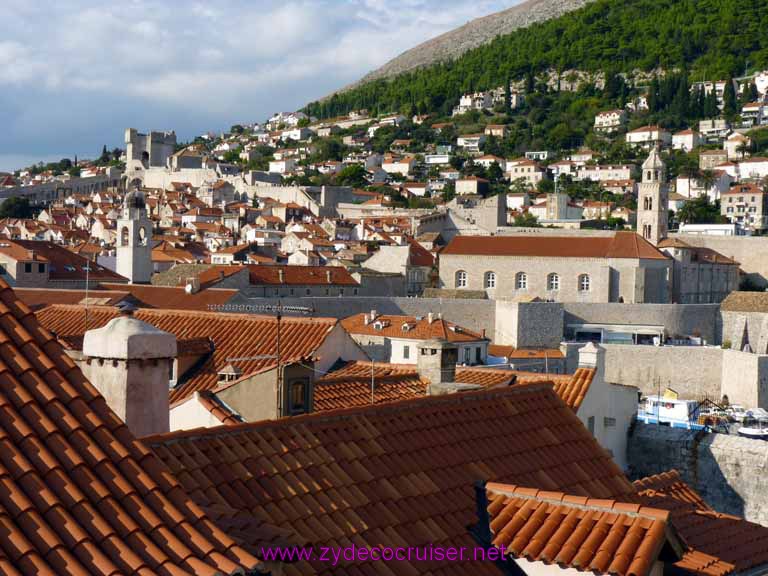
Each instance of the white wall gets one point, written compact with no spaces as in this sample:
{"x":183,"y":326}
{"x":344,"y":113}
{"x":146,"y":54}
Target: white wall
{"x":191,"y":414}
{"x":338,"y":344}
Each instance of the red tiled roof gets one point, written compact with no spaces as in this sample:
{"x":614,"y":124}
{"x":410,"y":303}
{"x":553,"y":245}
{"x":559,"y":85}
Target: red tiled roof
{"x":301,"y":275}
{"x":350,"y":386}
{"x":620,"y":245}
{"x":391,"y":475}
{"x":233,"y":335}
{"x":419,"y":256}
{"x":208,"y":401}
{"x":719,"y":543}
{"x":37,"y":298}
{"x":78,"y":493}
{"x":62,"y":264}
{"x":393,"y":327}
{"x":586,"y":534}
{"x":501,"y":351}
{"x":172,"y":297}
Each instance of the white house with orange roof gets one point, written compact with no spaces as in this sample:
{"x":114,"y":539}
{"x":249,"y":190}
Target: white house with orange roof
{"x":647,"y":137}
{"x":396,"y":339}
{"x":687,"y":140}
{"x":610,"y":120}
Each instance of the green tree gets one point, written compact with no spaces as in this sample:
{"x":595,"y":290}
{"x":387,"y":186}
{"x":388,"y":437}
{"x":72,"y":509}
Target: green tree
{"x":353,"y":175}
{"x":729,"y":99}
{"x":16,"y":207}
{"x":526,"y":220}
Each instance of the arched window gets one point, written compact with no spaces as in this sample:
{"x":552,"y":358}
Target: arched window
{"x":584,"y":283}
{"x":521,"y":281}
{"x":461,"y":279}
{"x":124,"y":236}
{"x":490,"y":279}
{"x":553,"y":282}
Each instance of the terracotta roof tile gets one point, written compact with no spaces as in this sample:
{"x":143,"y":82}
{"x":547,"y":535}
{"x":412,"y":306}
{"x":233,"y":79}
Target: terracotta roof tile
{"x":173,"y":298}
{"x":393,"y":473}
{"x":233,"y":335}
{"x":409,"y":327}
{"x":351,"y":385}
{"x":300,"y":275}
{"x":602,"y":536}
{"x":71,"y":474}
{"x":620,"y":245}
{"x":718,"y":543}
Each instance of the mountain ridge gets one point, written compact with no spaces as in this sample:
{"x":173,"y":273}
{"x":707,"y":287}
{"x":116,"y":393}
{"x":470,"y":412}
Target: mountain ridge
{"x":474,"y":33}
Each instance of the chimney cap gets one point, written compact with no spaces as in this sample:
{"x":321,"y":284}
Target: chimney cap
{"x":128,"y":338}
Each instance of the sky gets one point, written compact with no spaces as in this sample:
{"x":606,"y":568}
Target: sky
{"x":75,"y":73}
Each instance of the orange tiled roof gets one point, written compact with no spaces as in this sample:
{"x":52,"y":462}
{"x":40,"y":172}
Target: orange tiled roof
{"x":37,"y":298}
{"x":172,"y":297}
{"x":502,"y":351}
{"x":586,"y":534}
{"x":233,"y":335}
{"x":63,"y":264}
{"x":719,"y":543}
{"x":351,"y":385}
{"x":621,"y":245}
{"x":394,"y":474}
{"x":208,"y":401}
{"x":301,"y":275}
{"x":393,"y":327}
{"x":78,"y":493}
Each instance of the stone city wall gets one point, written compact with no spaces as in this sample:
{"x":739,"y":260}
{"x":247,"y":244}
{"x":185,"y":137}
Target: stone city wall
{"x":728,"y":471}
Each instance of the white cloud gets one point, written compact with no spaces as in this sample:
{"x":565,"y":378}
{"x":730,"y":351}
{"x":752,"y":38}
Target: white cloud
{"x":190,"y":63}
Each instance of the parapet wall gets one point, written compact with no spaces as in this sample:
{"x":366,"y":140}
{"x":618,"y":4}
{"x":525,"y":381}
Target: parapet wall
{"x":728,"y":471}
{"x":677,"y":319}
{"x":477,"y":315}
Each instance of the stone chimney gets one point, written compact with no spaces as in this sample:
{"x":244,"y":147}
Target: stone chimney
{"x":373,"y":315}
{"x":281,"y":275}
{"x":430,"y":318}
{"x":328,"y":276}
{"x":436,"y":361}
{"x":129,"y":362}
{"x":593,"y":356}
{"x":193,"y":285}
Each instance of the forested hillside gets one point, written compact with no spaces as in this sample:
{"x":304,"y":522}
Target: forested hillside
{"x":701,"y":39}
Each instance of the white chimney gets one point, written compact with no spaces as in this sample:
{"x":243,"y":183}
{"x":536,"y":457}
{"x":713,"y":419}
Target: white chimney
{"x":192,"y":285}
{"x":593,"y":356}
{"x":129,"y":362}
{"x":281,"y":275}
{"x":373,"y":315}
{"x":430,"y":318}
{"x":328,"y":276}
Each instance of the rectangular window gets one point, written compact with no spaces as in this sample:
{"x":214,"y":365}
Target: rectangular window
{"x":41,"y":268}
{"x":591,"y":425}
{"x":478,"y":355}
{"x":406,"y":352}
{"x":609,"y":422}
{"x":28,"y":268}
{"x":299,"y":392}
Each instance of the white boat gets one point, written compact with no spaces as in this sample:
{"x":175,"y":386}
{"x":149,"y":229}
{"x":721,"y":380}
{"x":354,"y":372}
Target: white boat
{"x":756,"y":433}
{"x":738,"y":413}
{"x":671,"y":412}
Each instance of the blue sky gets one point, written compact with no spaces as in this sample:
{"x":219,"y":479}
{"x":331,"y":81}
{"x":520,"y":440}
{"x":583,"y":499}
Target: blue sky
{"x":75,"y":73}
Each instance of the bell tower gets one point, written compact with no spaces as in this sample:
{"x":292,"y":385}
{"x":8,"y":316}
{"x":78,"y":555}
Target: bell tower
{"x":134,"y":239}
{"x":653,"y":200}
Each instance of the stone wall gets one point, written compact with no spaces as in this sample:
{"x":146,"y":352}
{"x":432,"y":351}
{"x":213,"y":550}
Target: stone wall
{"x":677,"y":319}
{"x":529,"y":324}
{"x":477,"y":315}
{"x":728,"y":471}
{"x":749,"y":251}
